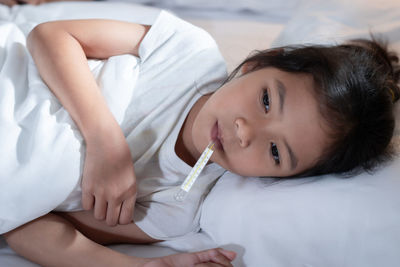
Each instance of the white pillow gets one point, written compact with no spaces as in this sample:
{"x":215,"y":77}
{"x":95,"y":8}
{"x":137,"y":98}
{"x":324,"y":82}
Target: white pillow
{"x":330,"y":21}
{"x":257,"y":6}
{"x":317,"y":221}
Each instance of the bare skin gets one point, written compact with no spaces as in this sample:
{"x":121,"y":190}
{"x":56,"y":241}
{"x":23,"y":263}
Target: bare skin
{"x":273,"y":127}
{"x":11,"y":3}
{"x":43,"y":239}
{"x":131,"y":234}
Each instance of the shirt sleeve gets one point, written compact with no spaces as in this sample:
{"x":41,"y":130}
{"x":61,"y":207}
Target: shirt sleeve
{"x":172,"y":34}
{"x":182,"y":51}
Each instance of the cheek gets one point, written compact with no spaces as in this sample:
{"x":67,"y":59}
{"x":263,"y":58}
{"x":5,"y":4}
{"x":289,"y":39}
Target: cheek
{"x":245,"y":163}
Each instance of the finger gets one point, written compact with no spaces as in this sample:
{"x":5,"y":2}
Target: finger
{"x":213,"y":255}
{"x":113,"y":211}
{"x":100,"y":208}
{"x":127,"y":209}
{"x":220,"y":258}
{"x":9,"y":3}
{"x":87,"y":201}
{"x":208,"y":264}
{"x":30,"y":2}
{"x":231,"y":255}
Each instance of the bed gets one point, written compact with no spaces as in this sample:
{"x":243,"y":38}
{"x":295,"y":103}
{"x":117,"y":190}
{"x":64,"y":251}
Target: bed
{"x":314,"y":221}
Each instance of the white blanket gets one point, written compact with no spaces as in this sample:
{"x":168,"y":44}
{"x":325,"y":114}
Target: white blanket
{"x":41,"y":151}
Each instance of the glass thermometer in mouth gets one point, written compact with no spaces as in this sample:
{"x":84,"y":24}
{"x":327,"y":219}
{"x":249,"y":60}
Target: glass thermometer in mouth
{"x":195,"y":172}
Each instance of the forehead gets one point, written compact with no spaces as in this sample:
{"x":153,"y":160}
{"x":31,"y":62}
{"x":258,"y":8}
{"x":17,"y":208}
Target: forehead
{"x":305,"y":128}
{"x":289,"y":77}
{"x":302,"y":125}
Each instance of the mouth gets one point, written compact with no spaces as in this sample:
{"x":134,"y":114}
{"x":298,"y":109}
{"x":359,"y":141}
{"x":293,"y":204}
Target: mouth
{"x":216,"y":136}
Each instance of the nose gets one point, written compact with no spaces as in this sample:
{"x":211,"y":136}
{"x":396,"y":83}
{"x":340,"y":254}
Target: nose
{"x":244,"y":132}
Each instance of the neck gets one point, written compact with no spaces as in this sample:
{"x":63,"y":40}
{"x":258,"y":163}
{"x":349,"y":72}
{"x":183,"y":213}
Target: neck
{"x":184,"y":146}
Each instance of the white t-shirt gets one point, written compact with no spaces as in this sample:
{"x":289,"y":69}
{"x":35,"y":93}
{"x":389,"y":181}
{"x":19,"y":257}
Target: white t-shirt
{"x":178,"y":64}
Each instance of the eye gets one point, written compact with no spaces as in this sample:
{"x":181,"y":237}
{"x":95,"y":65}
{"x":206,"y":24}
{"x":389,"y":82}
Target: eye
{"x":265,"y":100}
{"x":275,"y":153}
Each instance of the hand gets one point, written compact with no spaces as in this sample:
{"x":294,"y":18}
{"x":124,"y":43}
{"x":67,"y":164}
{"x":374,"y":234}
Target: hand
{"x":21,"y":2}
{"x":210,"y":257}
{"x":8,"y":2}
{"x":31,"y":2}
{"x":109,"y":182}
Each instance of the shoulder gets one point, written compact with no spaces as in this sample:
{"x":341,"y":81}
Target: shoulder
{"x":183,"y":30}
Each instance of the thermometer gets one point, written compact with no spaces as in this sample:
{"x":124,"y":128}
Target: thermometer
{"x":194,"y":173}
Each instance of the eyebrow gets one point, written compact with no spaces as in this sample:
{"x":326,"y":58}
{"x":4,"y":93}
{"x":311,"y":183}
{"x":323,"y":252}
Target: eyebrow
{"x":293,"y":159}
{"x":282,"y":93}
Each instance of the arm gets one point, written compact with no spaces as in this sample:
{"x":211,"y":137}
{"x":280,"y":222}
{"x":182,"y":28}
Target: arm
{"x":31,"y":2}
{"x":53,"y":241}
{"x":60,"y":50}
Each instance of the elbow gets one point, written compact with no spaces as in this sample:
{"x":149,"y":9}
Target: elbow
{"x":14,"y":239}
{"x":38,"y":35}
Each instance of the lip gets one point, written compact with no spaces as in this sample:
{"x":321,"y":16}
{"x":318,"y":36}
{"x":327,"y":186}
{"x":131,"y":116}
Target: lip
{"x":216,"y":136}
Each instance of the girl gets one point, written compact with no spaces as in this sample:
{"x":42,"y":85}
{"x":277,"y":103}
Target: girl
{"x":292,"y":111}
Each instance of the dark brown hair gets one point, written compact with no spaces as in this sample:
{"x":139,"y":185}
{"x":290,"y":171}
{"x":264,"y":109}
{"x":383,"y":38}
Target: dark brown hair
{"x":356,"y":86}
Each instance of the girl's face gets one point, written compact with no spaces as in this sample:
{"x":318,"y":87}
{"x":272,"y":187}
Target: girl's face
{"x":264,"y":123}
